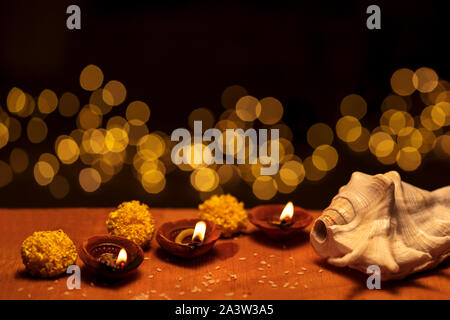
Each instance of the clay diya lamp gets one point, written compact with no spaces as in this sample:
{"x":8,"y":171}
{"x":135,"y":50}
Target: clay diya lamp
{"x":280,"y":222}
{"x":188,"y":238}
{"x":111,"y":256}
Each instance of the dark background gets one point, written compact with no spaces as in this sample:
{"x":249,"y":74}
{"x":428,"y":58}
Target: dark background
{"x":181,"y":55}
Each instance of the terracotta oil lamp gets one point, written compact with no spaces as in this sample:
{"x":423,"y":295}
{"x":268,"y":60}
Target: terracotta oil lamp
{"x":111,"y":256}
{"x":278,"y":221}
{"x":188,"y":238}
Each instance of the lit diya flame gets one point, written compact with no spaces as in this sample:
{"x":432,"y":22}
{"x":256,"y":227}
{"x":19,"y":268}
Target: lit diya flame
{"x":286,"y":216}
{"x":192,"y":237}
{"x":288,"y":212}
{"x":199,"y":232}
{"x":121,"y":259}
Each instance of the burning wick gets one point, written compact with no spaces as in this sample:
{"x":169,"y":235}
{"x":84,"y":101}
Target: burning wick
{"x":286,"y":216}
{"x":121,"y":259}
{"x":198,"y":235}
{"x":109,"y":260}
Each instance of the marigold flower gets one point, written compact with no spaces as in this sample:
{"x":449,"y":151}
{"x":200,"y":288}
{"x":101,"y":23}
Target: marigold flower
{"x":48,"y":253}
{"x":226,"y":212}
{"x":132,"y":220}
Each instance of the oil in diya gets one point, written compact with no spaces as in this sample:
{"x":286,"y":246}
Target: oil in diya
{"x":188,"y":238}
{"x":280,"y":222}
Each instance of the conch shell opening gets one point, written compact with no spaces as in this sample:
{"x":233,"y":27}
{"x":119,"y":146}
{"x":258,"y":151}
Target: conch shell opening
{"x":320,"y":231}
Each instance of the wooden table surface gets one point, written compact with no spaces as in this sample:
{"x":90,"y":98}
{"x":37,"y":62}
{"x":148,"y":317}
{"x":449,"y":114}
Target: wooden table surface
{"x":247,"y":267}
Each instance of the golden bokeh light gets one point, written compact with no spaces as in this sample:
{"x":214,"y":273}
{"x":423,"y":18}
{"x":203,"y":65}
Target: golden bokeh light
{"x":4,"y":135}
{"x":354,"y":105}
{"x":194,"y":156}
{"x":18,"y":160}
{"x":271,"y":110}
{"x":410,"y":138}
{"x":16,"y":100}
{"x":264,"y":187}
{"x":51,"y":160}
{"x":426,"y":118}
{"x":114,"y":93}
{"x":69,"y":104}
{"x":402,"y":82}
{"x":409,"y":159}
{"x":90,"y":117}
{"x":204,"y":179}
{"x":116,"y":140}
{"x":89,"y":179}
{"x":138,"y":113}
{"x":30,"y":105}
{"x":292,"y":173}
{"x":43,"y":173}
{"x":381,"y":144}
{"x":59,"y":187}
{"x":391,"y":158}
{"x":440,"y":114}
{"x":319,"y":134}
{"x":400,"y":120}
{"x":47,"y":101}
{"x":142,"y":166}
{"x":282,"y":187}
{"x":67,"y":149}
{"x":153,"y":181}
{"x":248,"y":108}
{"x":348,"y":129}
{"x":362,"y":143}
{"x":325,"y":157}
{"x":151,"y":147}
{"x":91,"y":78}
{"x":403,"y":138}
{"x":93,"y":141}
{"x":6,"y":174}
{"x":444,"y":109}
{"x":425,"y":79}
{"x":36,"y":130}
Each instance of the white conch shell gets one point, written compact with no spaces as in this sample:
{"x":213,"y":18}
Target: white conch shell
{"x":381,"y":220}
